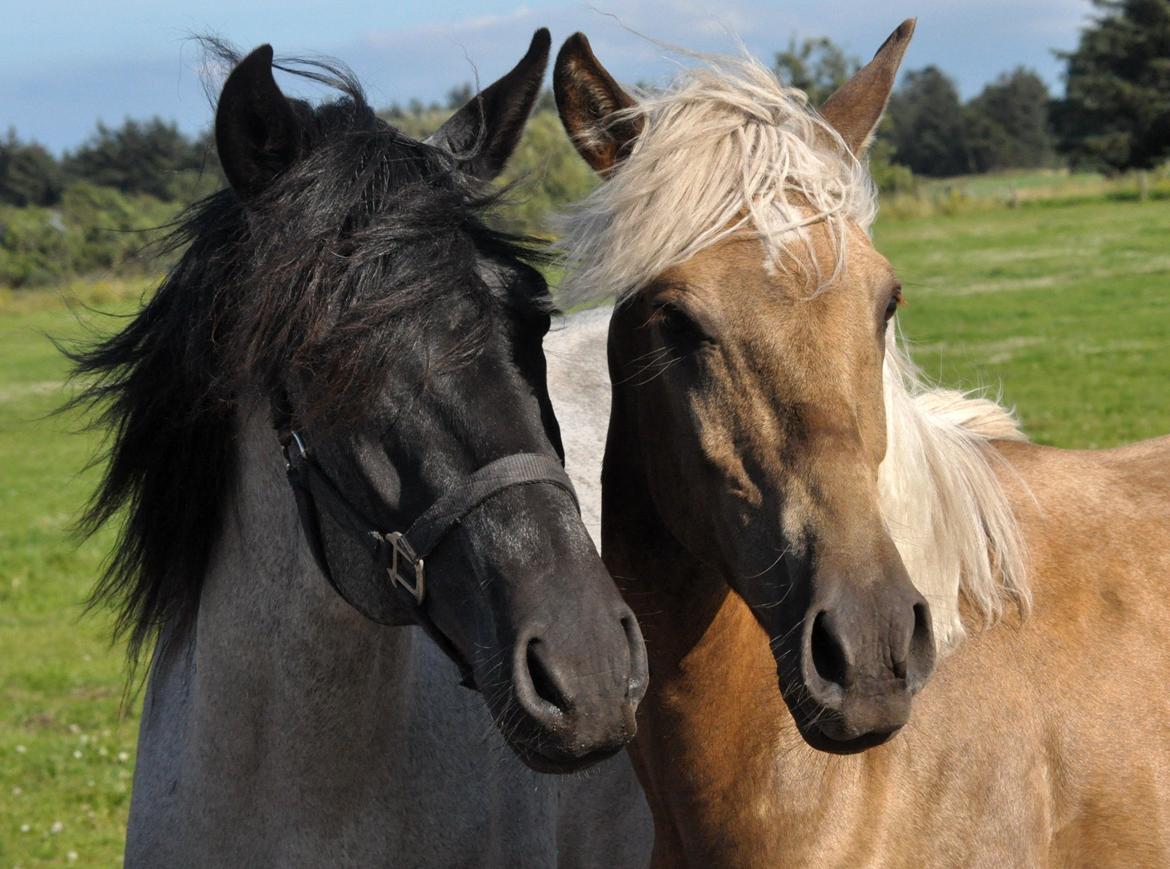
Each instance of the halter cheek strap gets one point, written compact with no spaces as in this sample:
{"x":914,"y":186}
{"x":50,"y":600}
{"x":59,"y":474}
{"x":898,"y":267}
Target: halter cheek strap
{"x":401,"y":554}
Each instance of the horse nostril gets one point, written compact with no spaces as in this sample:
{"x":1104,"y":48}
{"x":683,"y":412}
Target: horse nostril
{"x":543,"y":683}
{"x":920,"y":661}
{"x":829,"y":657}
{"x":637,"y":672}
{"x":922,"y":629}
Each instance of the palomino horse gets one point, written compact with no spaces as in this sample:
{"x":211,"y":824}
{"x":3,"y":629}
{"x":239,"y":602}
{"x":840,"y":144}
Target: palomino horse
{"x":345,"y":300}
{"x":776,"y":477}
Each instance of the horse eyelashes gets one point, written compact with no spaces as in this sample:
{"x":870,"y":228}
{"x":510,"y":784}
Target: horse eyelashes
{"x":680,"y":329}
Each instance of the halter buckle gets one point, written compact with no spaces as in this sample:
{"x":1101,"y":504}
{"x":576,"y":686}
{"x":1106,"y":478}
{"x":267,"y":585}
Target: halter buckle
{"x":293,"y":439}
{"x":401,"y":551}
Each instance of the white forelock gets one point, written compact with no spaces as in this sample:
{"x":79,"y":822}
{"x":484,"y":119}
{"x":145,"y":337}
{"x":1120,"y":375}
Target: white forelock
{"x":725,"y":149}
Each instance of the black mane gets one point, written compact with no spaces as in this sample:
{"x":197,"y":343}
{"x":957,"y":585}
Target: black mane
{"x":337,"y":268}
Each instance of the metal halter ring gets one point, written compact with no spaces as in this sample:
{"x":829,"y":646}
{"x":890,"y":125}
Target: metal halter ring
{"x":294,"y":439}
{"x":402,"y":549}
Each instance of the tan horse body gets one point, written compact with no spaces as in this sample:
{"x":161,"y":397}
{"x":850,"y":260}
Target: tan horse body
{"x":763,"y":491}
{"x":1041,"y":743}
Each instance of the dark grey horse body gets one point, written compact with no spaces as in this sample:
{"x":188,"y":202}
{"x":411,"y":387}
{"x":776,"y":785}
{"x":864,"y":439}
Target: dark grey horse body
{"x":290,"y":731}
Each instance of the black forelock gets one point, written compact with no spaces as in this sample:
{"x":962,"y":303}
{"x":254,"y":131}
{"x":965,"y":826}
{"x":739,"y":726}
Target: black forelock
{"x":350,"y":259}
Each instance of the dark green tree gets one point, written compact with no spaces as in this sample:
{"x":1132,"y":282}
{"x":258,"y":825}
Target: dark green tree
{"x":457,"y":96}
{"x":1116,"y":112}
{"x":151,"y":157}
{"x":927,"y":125}
{"x":29,"y":175}
{"x":546,"y":173}
{"x":1008,"y":124}
{"x":817,"y":66}
{"x":546,"y":102}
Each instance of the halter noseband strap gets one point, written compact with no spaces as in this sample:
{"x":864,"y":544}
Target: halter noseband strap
{"x":401,"y":554}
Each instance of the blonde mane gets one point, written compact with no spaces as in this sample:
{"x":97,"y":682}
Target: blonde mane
{"x":728,"y":149}
{"x":941,"y":501}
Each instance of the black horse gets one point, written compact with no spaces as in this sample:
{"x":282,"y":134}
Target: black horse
{"x":341,"y":383}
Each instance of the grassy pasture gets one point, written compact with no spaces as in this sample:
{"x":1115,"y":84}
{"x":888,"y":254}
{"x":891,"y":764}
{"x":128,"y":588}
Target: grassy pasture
{"x":1066,"y":309}
{"x":66,"y":753}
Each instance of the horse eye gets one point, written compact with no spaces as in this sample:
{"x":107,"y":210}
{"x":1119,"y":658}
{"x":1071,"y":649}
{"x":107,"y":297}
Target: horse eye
{"x":895,"y":301}
{"x":677,"y":326}
{"x":670,"y":318}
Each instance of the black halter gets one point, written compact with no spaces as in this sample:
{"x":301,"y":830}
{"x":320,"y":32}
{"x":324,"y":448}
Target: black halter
{"x":401,"y":554}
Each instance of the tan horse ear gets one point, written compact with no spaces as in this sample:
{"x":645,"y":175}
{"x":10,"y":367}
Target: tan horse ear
{"x":856,"y":107}
{"x":586,"y":97}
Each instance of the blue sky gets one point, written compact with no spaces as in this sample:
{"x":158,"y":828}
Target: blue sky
{"x":65,"y":64}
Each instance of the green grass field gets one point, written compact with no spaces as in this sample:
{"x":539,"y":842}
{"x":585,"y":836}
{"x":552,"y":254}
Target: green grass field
{"x":66,"y":753}
{"x":1067,"y":309}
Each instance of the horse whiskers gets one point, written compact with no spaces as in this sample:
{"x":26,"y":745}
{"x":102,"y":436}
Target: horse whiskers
{"x":773,"y":642}
{"x":492,"y":664}
{"x":776,"y":561}
{"x":775,"y":603}
{"x":653,"y":357}
{"x":664,"y":367}
{"x":656,"y":352}
{"x":662,"y":361}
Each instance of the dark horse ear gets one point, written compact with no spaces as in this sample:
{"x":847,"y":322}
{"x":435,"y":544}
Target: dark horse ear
{"x":257,"y":133}
{"x":856,"y":107}
{"x":586,"y":97}
{"x":483,"y":134}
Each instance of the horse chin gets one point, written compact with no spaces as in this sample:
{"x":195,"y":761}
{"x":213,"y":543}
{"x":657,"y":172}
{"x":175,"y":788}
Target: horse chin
{"x":553,"y":761}
{"x":833,"y":738}
{"x":828,"y":731}
{"x":557,"y":749}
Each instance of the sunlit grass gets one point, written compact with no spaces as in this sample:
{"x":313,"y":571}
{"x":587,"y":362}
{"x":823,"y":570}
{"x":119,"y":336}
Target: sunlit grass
{"x":1066,"y":309}
{"x":66,"y":751}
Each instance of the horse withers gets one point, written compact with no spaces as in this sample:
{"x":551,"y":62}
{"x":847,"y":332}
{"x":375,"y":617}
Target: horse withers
{"x":807,"y":532}
{"x":341,"y":383}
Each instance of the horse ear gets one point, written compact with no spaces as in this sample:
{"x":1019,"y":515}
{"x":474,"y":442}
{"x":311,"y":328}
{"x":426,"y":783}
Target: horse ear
{"x":856,"y":107}
{"x":257,"y":133}
{"x":483,"y":134}
{"x":587,"y":96}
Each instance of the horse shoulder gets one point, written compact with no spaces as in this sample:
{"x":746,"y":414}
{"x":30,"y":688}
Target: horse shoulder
{"x":1071,"y":685}
{"x":1100,"y":517}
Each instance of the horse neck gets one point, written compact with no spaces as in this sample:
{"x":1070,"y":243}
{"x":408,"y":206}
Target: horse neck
{"x":725,"y":770}
{"x":279,"y":659}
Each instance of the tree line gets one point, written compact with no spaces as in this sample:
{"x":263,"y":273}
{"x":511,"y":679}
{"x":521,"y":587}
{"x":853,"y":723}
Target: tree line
{"x":73,"y":214}
{"x":152,"y":157}
{"x":1115,"y":114}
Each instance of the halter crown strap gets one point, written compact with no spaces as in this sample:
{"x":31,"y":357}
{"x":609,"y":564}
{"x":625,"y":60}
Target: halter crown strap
{"x":519,"y":469}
